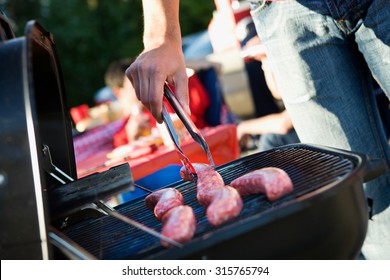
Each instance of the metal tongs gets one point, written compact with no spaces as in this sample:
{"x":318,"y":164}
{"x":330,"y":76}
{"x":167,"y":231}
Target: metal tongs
{"x":190,"y":126}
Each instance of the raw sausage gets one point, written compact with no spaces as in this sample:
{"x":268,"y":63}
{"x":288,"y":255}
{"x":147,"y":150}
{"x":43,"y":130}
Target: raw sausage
{"x":163,"y":200}
{"x":272,"y":181}
{"x":179,"y":224}
{"x":226,"y":205}
{"x":179,"y":221}
{"x":223,"y":202}
{"x":207,"y":179}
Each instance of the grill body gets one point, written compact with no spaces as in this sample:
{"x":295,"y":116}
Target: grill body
{"x":325,"y":217}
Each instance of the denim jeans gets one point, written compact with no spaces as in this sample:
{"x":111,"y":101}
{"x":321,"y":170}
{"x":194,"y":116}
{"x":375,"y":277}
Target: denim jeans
{"x":272,"y":140}
{"x":324,"y":54}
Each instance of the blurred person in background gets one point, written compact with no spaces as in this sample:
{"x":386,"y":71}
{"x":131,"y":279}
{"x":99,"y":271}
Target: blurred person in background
{"x":104,"y":95}
{"x":322,"y":54}
{"x":139,"y":121}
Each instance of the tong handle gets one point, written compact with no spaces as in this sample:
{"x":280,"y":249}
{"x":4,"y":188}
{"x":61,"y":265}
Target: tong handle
{"x":186,"y":119}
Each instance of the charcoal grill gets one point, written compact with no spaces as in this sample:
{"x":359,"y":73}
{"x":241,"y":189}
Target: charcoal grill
{"x":325,"y":217}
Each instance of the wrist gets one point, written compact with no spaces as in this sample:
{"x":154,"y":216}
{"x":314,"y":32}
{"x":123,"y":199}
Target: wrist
{"x":155,"y":41}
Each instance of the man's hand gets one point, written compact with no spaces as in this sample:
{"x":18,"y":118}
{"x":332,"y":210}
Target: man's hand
{"x":149,"y":72}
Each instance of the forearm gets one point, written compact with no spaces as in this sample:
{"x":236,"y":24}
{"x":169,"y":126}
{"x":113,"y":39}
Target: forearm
{"x":161,"y":23}
{"x":162,"y":59}
{"x":275,"y":123}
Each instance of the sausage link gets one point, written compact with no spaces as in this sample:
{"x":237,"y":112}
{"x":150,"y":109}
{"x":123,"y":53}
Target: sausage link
{"x":226,"y":205}
{"x":272,"y":181}
{"x":223,"y":202}
{"x":207,"y":180}
{"x":163,"y":200}
{"x":179,"y":224}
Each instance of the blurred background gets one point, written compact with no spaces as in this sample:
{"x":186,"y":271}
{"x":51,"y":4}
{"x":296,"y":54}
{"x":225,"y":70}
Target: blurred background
{"x":89,"y":34}
{"x":227,"y":84}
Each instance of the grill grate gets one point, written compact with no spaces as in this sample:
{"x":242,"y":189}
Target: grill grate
{"x":309,"y":169}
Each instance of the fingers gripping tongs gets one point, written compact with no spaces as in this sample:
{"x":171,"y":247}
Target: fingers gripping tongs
{"x":190,"y":126}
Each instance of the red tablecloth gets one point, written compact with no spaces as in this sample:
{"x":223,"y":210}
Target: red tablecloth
{"x":222,"y":141}
{"x":95,"y":140}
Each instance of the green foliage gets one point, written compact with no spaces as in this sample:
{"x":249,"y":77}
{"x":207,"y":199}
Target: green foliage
{"x":89,"y":34}
{"x":195,"y":15}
